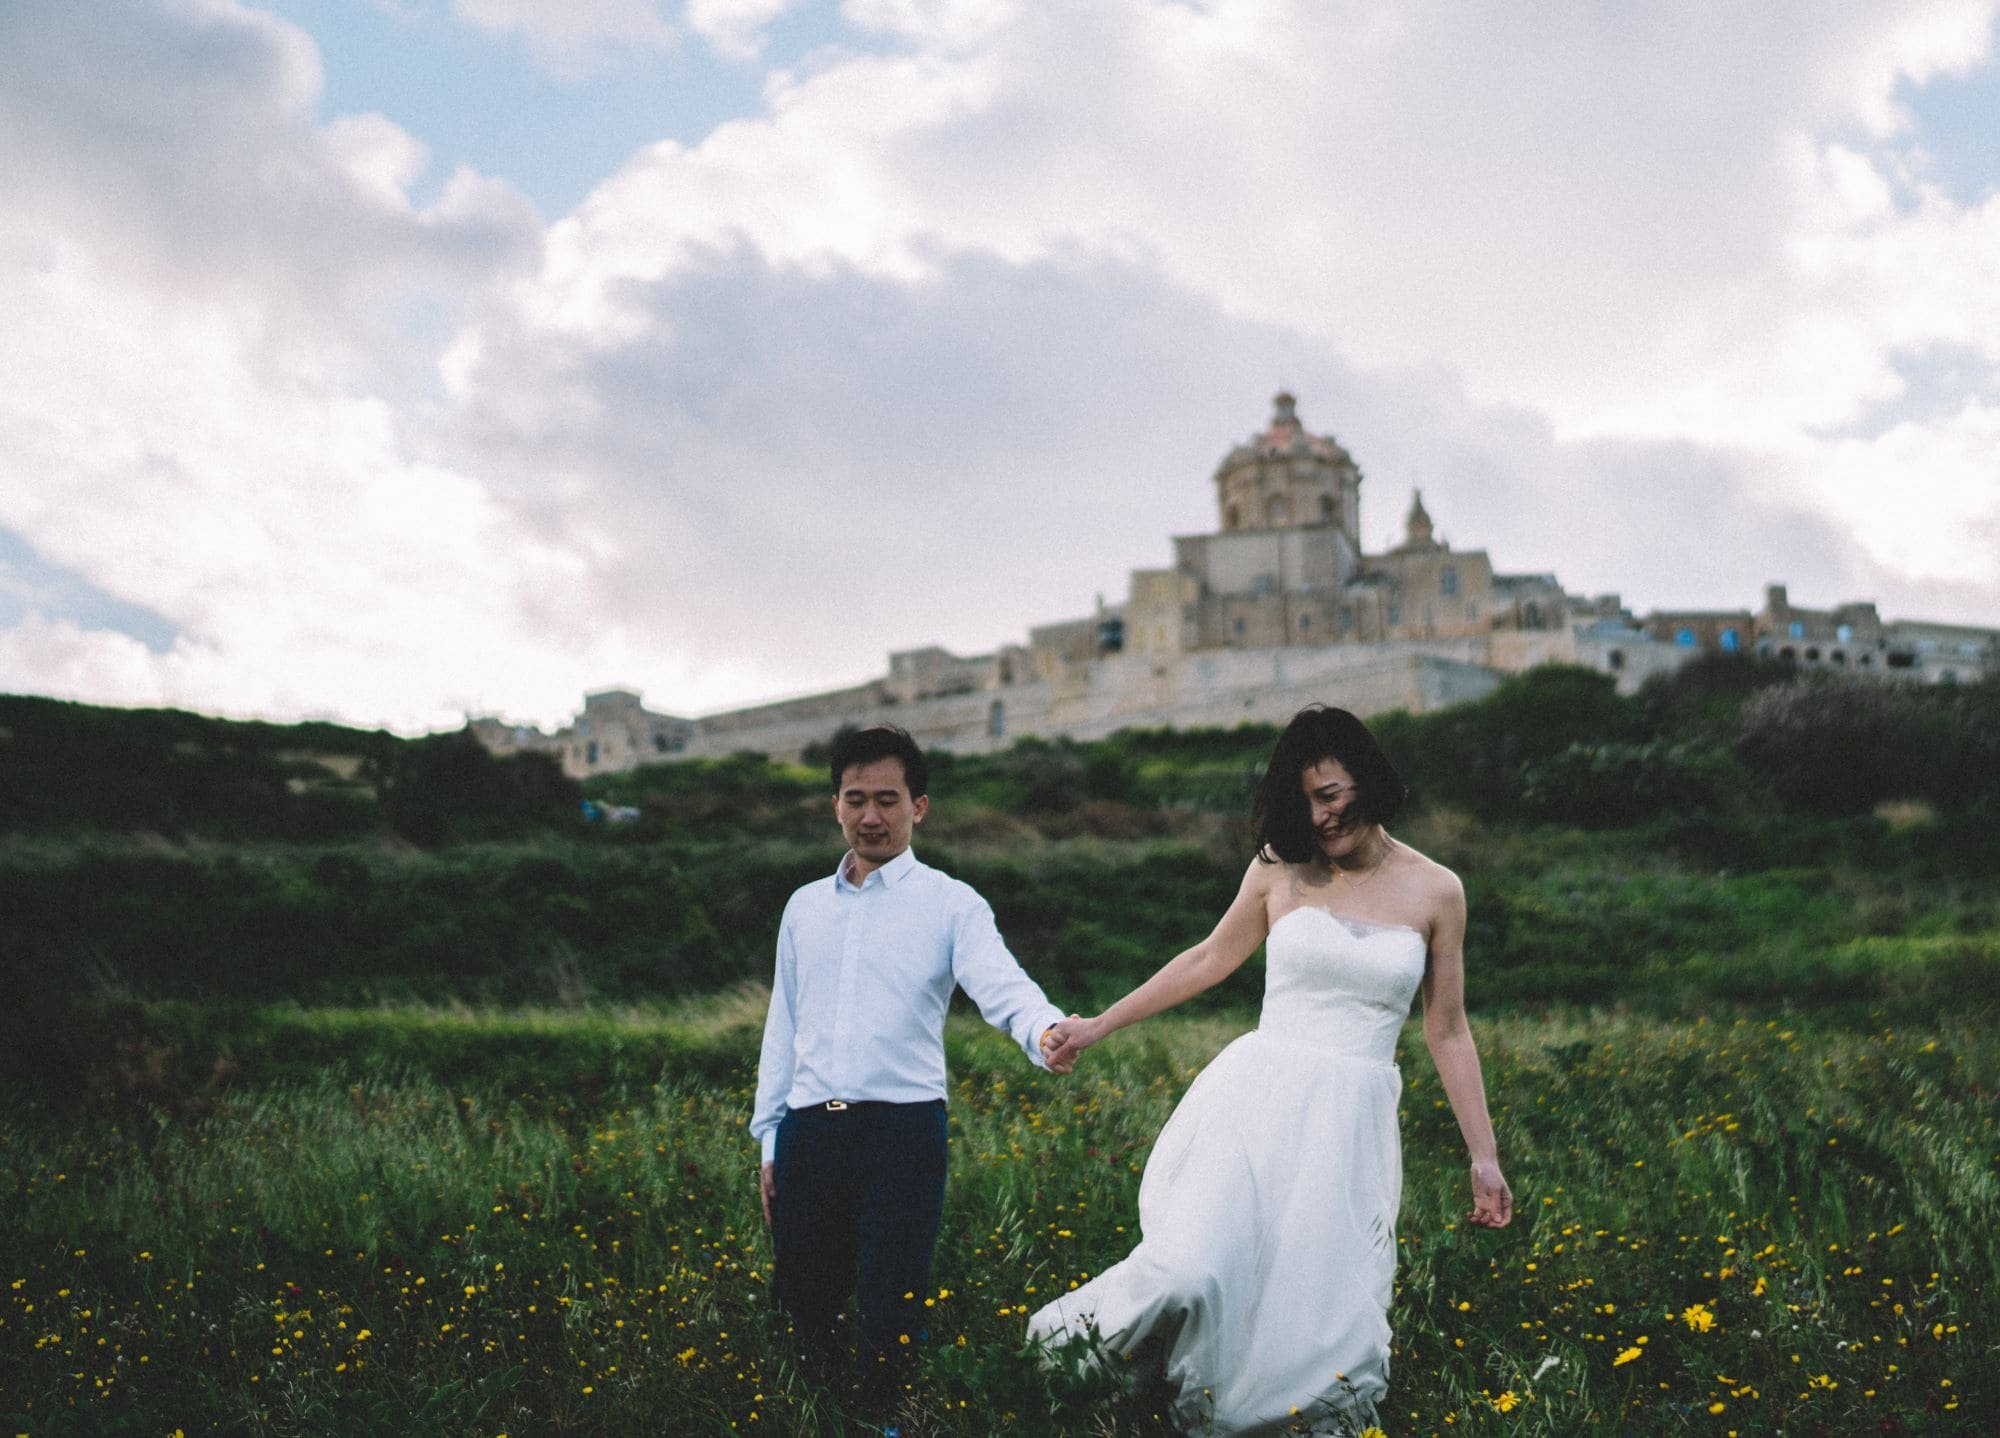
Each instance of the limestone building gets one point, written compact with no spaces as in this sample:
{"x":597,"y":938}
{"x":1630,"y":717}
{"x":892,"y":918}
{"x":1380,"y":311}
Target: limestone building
{"x":1277,"y":607}
{"x":1285,"y":566}
{"x":1851,"y":637}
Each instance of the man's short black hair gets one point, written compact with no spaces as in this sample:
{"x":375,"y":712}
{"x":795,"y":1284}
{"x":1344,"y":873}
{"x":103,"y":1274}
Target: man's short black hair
{"x":884,"y":741}
{"x":1280,"y":816}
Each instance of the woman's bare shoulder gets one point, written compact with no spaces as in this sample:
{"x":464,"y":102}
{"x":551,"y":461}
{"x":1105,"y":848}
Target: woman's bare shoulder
{"x":1266,"y":877}
{"x":1437,"y":883}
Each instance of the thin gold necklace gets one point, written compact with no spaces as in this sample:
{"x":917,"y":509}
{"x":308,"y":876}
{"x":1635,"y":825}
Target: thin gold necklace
{"x":1373,"y":869}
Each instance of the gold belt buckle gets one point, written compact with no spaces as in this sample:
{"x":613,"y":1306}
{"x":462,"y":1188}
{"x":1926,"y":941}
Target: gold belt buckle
{"x":835,"y":1105}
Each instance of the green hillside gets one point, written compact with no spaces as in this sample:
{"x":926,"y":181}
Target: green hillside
{"x":356,"y":1083}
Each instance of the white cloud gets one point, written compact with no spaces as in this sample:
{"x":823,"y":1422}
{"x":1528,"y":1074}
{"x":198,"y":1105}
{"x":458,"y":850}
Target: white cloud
{"x":948,"y":338}
{"x":735,"y":28}
{"x":570,"y":33}
{"x":212,"y":412}
{"x":1636,"y":230}
{"x":1587,"y":218}
{"x":1922,"y":498}
{"x":305,"y":557}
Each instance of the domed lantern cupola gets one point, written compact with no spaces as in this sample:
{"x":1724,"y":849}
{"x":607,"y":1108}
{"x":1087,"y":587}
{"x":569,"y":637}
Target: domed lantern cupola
{"x":1286,"y":477}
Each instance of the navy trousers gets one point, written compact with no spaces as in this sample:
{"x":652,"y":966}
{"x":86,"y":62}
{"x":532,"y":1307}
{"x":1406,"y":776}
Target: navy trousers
{"x":860,"y":1195}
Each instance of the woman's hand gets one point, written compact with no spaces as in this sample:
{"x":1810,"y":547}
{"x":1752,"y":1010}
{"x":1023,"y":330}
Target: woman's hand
{"x":1066,"y":1038}
{"x":1492,"y":1200}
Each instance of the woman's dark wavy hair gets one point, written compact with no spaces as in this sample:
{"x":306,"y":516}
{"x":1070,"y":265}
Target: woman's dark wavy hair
{"x":1280,"y":815}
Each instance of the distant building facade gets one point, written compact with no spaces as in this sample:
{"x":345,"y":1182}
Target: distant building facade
{"x":1280,"y":606}
{"x":1851,"y":638}
{"x":615,"y":732}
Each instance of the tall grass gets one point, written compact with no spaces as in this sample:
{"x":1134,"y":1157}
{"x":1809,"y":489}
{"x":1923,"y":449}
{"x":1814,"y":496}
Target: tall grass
{"x":1742,"y":1224}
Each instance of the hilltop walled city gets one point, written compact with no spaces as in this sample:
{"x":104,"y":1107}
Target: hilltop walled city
{"x":1277,"y":608}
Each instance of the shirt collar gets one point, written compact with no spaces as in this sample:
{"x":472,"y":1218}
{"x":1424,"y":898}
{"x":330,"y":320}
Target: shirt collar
{"x":892,"y":872}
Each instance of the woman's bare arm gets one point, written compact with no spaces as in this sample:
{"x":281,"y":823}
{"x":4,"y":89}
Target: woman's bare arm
{"x":1244,"y":925}
{"x":1449,"y":1037}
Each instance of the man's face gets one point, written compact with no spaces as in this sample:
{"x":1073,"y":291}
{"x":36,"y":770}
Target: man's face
{"x":876,"y":812}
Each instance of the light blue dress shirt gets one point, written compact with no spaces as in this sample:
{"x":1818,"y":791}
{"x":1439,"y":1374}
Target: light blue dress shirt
{"x":865,"y":973}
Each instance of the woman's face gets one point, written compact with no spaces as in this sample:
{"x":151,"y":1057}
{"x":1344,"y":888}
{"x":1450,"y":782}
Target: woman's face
{"x":1330,"y":800}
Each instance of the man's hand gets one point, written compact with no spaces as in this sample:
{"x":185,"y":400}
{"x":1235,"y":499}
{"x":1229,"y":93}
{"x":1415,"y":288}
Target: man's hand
{"x":767,"y":1183}
{"x":1064,"y":1040}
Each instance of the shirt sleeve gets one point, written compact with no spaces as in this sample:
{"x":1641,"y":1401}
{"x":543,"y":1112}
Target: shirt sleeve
{"x":777,"y":1058}
{"x":994,"y":980}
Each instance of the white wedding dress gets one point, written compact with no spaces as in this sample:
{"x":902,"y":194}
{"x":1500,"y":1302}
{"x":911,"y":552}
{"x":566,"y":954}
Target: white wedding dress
{"x":1268,"y":1207}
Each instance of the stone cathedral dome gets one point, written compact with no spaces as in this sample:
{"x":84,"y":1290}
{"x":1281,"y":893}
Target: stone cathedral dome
{"x":1287,"y":477}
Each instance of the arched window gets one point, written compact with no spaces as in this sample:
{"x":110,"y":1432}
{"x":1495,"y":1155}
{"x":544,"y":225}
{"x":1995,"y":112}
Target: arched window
{"x":1232,"y":518}
{"x":1616,"y":659}
{"x":1797,"y":629}
{"x":1844,"y":633}
{"x":1448,"y":581}
{"x":1839,"y":656}
{"x":1730,"y":640}
{"x":1277,"y":510}
{"x":1531,"y":615}
{"x":1326,"y":509}
{"x":1812,"y":655}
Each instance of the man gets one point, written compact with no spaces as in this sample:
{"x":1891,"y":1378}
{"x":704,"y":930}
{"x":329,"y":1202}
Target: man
{"x":851,"y":1081}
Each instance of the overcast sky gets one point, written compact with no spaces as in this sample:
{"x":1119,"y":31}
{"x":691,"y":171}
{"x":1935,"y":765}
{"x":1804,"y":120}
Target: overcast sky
{"x":387,"y":360}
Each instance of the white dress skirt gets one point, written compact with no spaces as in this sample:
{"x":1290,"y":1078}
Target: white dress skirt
{"x":1268,"y":1207}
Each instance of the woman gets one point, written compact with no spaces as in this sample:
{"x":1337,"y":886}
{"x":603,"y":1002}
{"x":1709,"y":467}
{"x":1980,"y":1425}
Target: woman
{"x":1268,"y":1207}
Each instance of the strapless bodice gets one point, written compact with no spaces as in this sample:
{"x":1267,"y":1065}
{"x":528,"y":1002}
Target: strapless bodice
{"x":1340,"y":984}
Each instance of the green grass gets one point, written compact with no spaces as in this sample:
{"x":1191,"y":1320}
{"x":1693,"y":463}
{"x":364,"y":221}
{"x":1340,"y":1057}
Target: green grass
{"x":1788,"y":1216}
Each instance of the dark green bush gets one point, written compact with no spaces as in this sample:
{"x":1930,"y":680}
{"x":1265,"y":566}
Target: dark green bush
{"x":1601,"y":785}
{"x":1704,"y":698}
{"x":450,"y":787}
{"x":78,"y":768}
{"x":1838,"y":746}
{"x":1473,"y":755}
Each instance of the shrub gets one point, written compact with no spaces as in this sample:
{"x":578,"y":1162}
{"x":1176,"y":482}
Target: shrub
{"x":450,"y":786}
{"x":1704,"y":698}
{"x":72,"y":768}
{"x":1474,"y":754}
{"x":1973,"y":769}
{"x":1598,"y":785}
{"x":1840,"y":746}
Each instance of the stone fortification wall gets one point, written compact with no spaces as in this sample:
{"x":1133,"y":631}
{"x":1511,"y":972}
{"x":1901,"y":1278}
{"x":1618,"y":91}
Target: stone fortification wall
{"x":1085,"y":701}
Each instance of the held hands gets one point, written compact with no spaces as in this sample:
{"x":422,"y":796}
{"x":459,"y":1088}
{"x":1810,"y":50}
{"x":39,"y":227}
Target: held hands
{"x":1064,"y":1040}
{"x":1492,"y":1200}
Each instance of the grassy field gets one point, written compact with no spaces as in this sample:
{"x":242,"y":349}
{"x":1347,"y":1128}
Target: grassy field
{"x":1749,"y":1223}
{"x":351,"y":1084}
